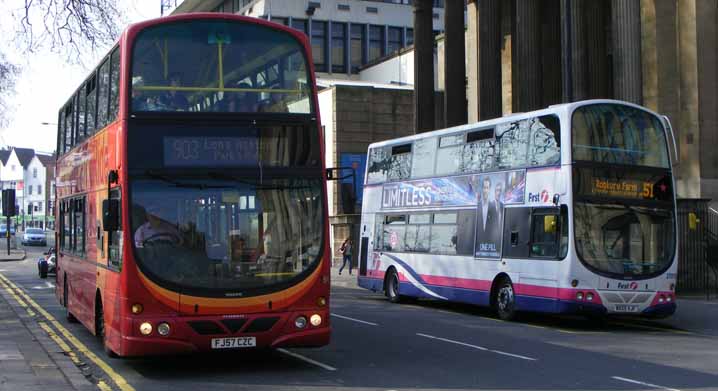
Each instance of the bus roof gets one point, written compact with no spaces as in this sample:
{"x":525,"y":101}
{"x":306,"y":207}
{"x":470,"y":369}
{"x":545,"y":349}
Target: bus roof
{"x":553,"y":109}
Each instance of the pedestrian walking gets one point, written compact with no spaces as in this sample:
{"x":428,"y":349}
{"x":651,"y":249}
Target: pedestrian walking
{"x":346,"y":250}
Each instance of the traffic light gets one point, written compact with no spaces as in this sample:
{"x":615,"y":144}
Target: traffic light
{"x":8,"y":202}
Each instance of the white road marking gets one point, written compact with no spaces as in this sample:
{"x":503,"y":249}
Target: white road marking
{"x":48,"y":285}
{"x":477,"y":347}
{"x":307,"y":359}
{"x":354,"y":320}
{"x":643,"y":384}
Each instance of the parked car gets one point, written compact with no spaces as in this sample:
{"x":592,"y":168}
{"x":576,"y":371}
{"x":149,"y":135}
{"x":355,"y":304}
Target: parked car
{"x":3,"y":230}
{"x":46,"y":264}
{"x":34,"y":236}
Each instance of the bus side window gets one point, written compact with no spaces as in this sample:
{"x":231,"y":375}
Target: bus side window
{"x":517,"y":225}
{"x":549,"y":233}
{"x":114,"y":239}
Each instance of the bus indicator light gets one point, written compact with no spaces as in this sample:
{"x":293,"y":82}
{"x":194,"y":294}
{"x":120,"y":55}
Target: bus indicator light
{"x":163,"y":329}
{"x":137,"y":308}
{"x":300,"y":322}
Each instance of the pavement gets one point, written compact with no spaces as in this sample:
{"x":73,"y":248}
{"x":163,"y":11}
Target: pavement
{"x":29,"y":359}
{"x":345,"y":279}
{"x":15,"y":255}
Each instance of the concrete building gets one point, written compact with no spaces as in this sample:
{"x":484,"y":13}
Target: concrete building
{"x":354,"y":115}
{"x":345,"y":34}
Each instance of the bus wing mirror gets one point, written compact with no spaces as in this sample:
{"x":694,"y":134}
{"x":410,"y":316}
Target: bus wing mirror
{"x":111,"y":215}
{"x":675,"y":159}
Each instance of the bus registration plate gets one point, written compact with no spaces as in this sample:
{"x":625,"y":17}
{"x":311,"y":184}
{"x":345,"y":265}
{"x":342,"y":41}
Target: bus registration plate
{"x":237,"y":342}
{"x":626,"y":308}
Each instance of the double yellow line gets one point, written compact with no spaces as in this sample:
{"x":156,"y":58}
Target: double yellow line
{"x":59,"y":330}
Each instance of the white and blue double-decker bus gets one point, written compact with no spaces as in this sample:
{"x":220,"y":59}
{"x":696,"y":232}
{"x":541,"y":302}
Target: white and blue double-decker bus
{"x":570,"y":209}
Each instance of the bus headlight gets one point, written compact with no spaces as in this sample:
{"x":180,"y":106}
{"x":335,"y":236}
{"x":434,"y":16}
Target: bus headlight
{"x":669,"y":298}
{"x":300,"y":322}
{"x":589,"y":296}
{"x":315,"y":320}
{"x":661,"y":299}
{"x":146,"y":328}
{"x":163,"y":329}
{"x":321,"y":302}
{"x":579,"y":296}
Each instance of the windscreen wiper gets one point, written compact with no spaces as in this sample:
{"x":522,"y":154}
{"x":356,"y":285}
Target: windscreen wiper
{"x":176,"y":183}
{"x":257,"y":184}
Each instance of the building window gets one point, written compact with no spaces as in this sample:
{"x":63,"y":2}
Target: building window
{"x":300,"y":24}
{"x":13,"y":167}
{"x":39,"y":189}
{"x":34,"y":172}
{"x":394,"y":39}
{"x":358,"y":39}
{"x":376,"y":42}
{"x":409,"y":37}
{"x":319,"y":44}
{"x":29,"y":190}
{"x":39,"y":207}
{"x":339,"y":42}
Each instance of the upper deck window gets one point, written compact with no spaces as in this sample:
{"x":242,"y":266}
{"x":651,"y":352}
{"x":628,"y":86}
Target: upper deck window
{"x":611,"y":133}
{"x":219,"y":66}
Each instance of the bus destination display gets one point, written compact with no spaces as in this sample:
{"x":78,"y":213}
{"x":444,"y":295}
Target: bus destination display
{"x":210,"y":151}
{"x":599,"y":183}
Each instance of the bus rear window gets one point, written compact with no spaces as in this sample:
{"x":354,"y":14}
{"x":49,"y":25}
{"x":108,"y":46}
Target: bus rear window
{"x":219,"y":66}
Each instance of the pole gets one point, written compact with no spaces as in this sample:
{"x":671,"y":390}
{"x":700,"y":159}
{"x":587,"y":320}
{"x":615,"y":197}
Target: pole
{"x":7,"y":234}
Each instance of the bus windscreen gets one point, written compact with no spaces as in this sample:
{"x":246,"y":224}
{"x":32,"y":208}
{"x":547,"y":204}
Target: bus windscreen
{"x":219,"y":66}
{"x":618,"y":134}
{"x":240,"y":235}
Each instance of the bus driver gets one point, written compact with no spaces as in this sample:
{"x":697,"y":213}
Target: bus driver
{"x":156,"y":229}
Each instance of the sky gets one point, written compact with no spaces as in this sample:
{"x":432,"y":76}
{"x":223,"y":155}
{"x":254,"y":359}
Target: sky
{"x":47,"y":81}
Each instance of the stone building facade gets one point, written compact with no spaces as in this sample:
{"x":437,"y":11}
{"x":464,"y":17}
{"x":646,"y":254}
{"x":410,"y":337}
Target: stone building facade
{"x":528,"y":54}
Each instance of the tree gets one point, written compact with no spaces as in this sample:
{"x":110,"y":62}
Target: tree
{"x":73,"y":28}
{"x":8,"y":73}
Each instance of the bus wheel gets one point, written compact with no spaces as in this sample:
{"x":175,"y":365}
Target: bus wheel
{"x":505,"y":300}
{"x":392,"y":286}
{"x":68,"y":315}
{"x":100,"y":329}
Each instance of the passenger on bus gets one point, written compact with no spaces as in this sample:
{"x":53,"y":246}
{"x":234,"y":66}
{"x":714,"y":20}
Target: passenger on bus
{"x":174,"y":99}
{"x":140,"y":102}
{"x":156,"y":230}
{"x":243,"y":101}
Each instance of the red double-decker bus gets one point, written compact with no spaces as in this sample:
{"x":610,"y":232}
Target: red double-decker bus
{"x":191,"y":202}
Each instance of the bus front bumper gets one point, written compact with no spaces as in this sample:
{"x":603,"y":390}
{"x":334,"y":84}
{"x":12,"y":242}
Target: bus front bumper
{"x":196,"y":334}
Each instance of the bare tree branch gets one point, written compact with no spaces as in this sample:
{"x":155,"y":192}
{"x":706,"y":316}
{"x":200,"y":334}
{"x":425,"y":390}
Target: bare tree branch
{"x":76,"y":29}
{"x":8,"y":76}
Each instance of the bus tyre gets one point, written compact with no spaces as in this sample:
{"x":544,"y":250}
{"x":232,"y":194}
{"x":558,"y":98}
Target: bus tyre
{"x":43,"y":270}
{"x":68,"y":315}
{"x":100,"y":329}
{"x":505,"y":300}
{"x":392,"y":286}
